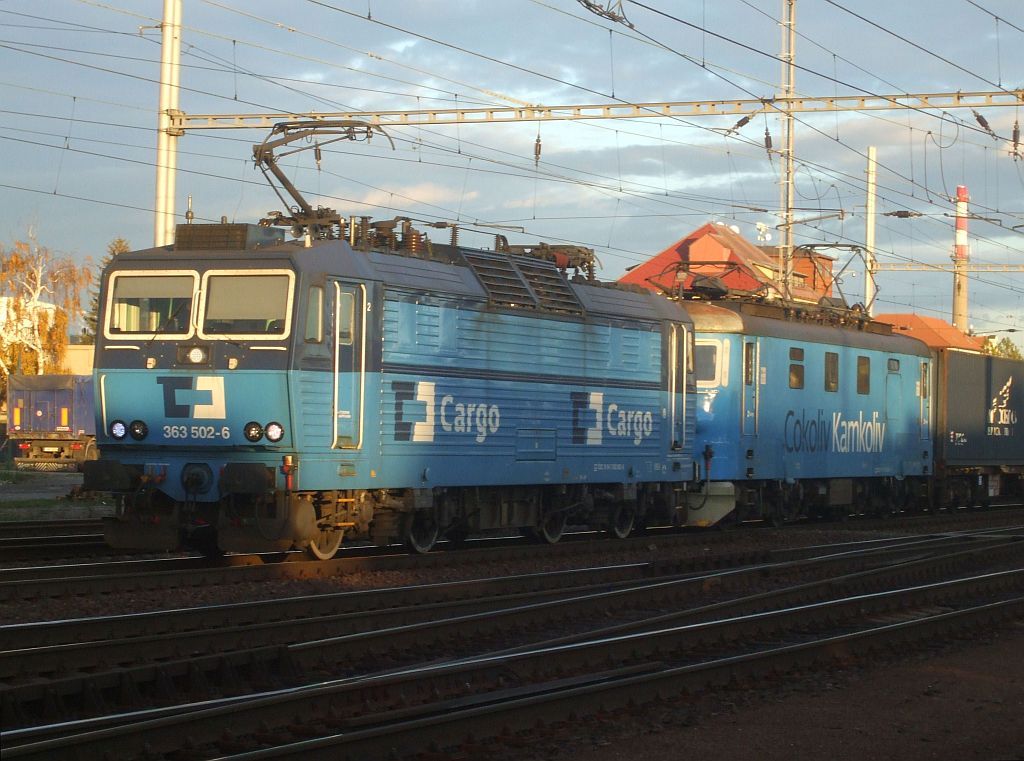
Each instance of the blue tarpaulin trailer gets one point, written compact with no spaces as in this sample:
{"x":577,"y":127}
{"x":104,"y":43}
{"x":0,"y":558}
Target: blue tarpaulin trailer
{"x":51,"y":421}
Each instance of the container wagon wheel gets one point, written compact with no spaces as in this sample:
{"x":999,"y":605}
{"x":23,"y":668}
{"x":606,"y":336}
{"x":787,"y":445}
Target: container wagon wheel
{"x":326,"y":543}
{"x":621,"y":521}
{"x":422,"y":531}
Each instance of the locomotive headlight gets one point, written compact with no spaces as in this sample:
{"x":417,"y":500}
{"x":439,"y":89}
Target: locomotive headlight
{"x":118,"y":429}
{"x":275,"y":432}
{"x":197,"y":355}
{"x":253,"y":431}
{"x":138,"y":430}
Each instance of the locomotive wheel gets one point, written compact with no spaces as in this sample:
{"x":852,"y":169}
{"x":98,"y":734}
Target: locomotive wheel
{"x":204,"y":540}
{"x":621,"y":521}
{"x":325,"y":544}
{"x":422,"y":532}
{"x":551,"y":528}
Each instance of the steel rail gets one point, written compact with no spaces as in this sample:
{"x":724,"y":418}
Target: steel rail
{"x":382,"y":641}
{"x":370,"y":708}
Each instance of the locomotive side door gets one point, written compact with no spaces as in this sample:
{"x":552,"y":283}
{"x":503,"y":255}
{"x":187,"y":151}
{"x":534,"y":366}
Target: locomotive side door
{"x":678,"y":365}
{"x":349,"y":364}
{"x":924,"y":399}
{"x":751,"y":384}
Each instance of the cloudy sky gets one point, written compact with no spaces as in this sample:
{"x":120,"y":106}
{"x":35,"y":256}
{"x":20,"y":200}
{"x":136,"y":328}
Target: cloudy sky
{"x":78,"y":101}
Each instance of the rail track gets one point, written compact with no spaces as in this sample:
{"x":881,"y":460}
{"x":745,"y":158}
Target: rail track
{"x":388,"y":668}
{"x":116,"y":574}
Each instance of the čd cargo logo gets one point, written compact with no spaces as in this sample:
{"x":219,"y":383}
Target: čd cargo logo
{"x":819,"y":433}
{"x":1002,"y":418}
{"x":200,"y":397}
{"x":591,"y":420}
{"x":454,"y":415}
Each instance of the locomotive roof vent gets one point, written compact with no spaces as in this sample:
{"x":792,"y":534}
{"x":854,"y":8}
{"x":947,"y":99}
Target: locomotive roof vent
{"x":226,"y":237}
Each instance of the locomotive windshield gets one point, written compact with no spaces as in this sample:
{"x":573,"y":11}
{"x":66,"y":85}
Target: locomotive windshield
{"x":151,"y":304}
{"x":252,"y":305}
{"x":247,"y":304}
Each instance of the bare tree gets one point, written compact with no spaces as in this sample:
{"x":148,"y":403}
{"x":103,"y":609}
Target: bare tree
{"x":39,"y":298}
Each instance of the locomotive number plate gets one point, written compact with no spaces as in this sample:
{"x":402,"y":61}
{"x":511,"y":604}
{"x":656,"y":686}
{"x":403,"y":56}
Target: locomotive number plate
{"x":196,"y":432}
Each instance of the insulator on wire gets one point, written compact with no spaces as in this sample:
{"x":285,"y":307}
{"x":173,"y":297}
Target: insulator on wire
{"x":1016,"y":140}
{"x":317,"y":155}
{"x":767,"y":141}
{"x":536,"y":152}
{"x":984,"y":124}
{"x":740,"y":124}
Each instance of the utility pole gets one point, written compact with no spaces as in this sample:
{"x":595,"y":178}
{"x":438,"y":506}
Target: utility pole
{"x":869,"y":233}
{"x":961,"y":254}
{"x":167,"y":135}
{"x":787,"y":56}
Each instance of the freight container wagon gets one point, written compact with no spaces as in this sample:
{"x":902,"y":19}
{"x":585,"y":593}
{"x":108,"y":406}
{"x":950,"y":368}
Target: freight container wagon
{"x":979,"y":448}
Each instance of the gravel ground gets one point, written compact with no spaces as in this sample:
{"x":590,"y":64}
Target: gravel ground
{"x":965,"y":702}
{"x":962,"y":701}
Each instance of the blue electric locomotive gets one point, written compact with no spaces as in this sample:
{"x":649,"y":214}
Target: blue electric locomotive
{"x":803,"y":412}
{"x":255,"y":394}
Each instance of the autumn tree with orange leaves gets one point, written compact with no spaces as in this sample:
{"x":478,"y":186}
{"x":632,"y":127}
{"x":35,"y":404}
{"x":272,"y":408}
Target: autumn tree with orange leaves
{"x":40,"y":296}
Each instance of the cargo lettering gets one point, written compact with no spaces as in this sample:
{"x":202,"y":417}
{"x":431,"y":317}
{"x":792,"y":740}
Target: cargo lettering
{"x":860,"y":435}
{"x":844,"y":436}
{"x":803,"y":435}
{"x":454,"y":416}
{"x":478,"y":417}
{"x":591,"y":421}
{"x":623,"y":423}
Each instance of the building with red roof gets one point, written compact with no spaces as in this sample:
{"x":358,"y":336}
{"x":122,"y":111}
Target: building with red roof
{"x":716,"y":250}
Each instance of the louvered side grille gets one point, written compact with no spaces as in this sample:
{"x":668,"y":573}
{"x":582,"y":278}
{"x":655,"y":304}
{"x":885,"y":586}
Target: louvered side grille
{"x":525,"y":283}
{"x":549,"y":286}
{"x":500,"y":279}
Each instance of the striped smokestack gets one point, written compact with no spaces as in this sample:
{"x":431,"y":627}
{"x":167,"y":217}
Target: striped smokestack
{"x":960,"y":256}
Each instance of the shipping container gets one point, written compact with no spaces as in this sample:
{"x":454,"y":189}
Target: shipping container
{"x":980,"y":430}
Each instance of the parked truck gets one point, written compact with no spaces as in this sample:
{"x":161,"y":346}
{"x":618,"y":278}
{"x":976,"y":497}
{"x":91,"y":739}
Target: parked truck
{"x":51,"y":421}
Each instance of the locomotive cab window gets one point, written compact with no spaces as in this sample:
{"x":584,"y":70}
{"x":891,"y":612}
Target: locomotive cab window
{"x":151,"y":304}
{"x":863,"y":375}
{"x":710,"y":359}
{"x":247,"y":304}
{"x":831,"y":371}
{"x":346,"y":317}
{"x":315,"y":315}
{"x":796,"y":367}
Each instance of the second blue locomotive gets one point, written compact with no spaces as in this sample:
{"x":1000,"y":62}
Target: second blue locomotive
{"x":808,"y":411}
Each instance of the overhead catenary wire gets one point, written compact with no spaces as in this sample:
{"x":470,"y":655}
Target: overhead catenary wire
{"x":851,"y":178}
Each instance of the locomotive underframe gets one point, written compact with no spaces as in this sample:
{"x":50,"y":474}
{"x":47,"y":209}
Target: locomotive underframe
{"x":779,"y":501}
{"x":264,"y":520}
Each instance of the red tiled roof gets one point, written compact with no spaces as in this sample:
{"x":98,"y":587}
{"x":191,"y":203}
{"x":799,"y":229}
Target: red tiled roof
{"x":936,"y":333}
{"x":738,"y":262}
